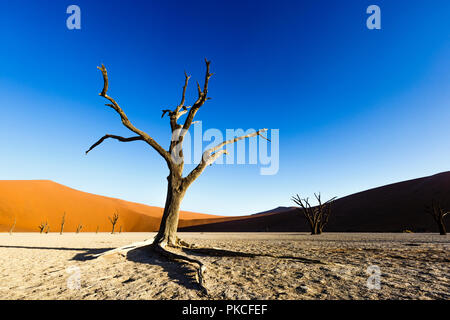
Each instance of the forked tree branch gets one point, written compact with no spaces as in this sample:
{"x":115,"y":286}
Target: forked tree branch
{"x":202,"y":98}
{"x":182,"y":109}
{"x":126,"y":122}
{"x":175,"y":114}
{"x":114,"y":218}
{"x":306,"y":207}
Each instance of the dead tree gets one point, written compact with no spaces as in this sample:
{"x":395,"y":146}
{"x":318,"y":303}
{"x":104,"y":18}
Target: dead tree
{"x":113,"y":221}
{"x":317,"y":216}
{"x":63,"y":221}
{"x":166,"y":242}
{"x":177,"y":184}
{"x":13,"y":226}
{"x":96,"y":230}
{"x":120,"y":230}
{"x":438,"y":214}
{"x":42,"y":226}
{"x":79,"y":227}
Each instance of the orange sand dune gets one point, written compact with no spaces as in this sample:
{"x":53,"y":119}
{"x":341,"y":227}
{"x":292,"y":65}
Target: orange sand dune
{"x":36,"y":201}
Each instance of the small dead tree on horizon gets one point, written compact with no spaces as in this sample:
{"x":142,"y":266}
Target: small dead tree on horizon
{"x":113,"y":221}
{"x":79,"y":227}
{"x":13,"y":226}
{"x":438,"y":214}
{"x":317,"y":216}
{"x":42,"y":226}
{"x":63,"y":221}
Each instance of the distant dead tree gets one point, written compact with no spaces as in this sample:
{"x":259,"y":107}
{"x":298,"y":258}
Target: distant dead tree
{"x":317,"y":216}
{"x":42,"y":226}
{"x":113,"y":221}
{"x":120,"y":230}
{"x":96,"y":230}
{"x":13,"y":226}
{"x":438,"y":214}
{"x":63,"y":221}
{"x":47,"y":230}
{"x":79,"y":227}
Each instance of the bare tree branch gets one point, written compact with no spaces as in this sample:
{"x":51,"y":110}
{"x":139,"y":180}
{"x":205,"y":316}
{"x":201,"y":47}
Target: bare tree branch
{"x":105,"y":81}
{"x":165,"y":111}
{"x":213,"y":157}
{"x":126,"y":122}
{"x":183,"y":96}
{"x":202,"y":98}
{"x":175,"y":114}
{"x":212,"y":154}
{"x":306,"y":207}
{"x":111,"y":136}
{"x":221,"y":145}
{"x":182,"y":112}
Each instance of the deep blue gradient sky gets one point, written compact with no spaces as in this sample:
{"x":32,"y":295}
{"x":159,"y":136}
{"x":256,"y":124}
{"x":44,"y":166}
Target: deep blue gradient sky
{"x":356,"y":108}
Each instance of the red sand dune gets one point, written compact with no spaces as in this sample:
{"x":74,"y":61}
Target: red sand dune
{"x":37,"y":201}
{"x":391,"y":208}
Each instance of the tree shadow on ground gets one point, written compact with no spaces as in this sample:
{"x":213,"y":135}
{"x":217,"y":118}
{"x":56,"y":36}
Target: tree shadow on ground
{"x":180,"y":273}
{"x":214,"y":252}
{"x":86,"y":254}
{"x":89,"y":254}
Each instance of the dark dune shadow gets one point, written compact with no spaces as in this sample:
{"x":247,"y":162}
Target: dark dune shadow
{"x":86,"y":254}
{"x":179,"y":273}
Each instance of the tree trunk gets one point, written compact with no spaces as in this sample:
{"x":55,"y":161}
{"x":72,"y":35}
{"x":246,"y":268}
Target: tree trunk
{"x":315,"y":229}
{"x":320,"y":229}
{"x":441,"y":225}
{"x":167,"y":233}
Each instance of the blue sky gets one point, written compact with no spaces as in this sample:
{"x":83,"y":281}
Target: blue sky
{"x":356,"y":108}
